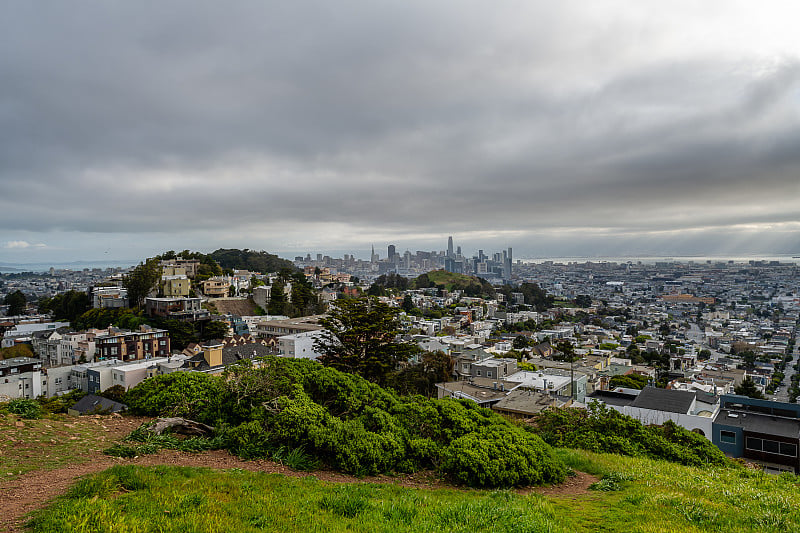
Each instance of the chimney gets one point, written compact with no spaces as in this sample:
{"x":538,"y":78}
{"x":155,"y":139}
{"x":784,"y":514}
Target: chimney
{"x":213,"y":355}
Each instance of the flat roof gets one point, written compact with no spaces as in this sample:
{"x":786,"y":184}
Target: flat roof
{"x":757,"y":423}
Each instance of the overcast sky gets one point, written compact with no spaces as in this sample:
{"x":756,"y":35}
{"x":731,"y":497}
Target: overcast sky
{"x":558,"y":128}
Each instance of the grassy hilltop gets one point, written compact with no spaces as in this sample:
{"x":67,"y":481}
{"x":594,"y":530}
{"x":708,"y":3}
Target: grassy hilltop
{"x":421,"y":456}
{"x":634,"y":495}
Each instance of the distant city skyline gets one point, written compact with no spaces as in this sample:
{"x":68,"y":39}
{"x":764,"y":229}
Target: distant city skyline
{"x":567,"y":128}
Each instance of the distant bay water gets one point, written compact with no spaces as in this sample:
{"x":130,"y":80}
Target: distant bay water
{"x":664,"y":259}
{"x":73,"y":265}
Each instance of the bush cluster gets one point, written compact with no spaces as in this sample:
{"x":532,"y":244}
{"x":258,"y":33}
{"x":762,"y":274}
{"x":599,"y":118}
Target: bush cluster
{"x":24,"y":408}
{"x":604,"y":430}
{"x":300,"y":411}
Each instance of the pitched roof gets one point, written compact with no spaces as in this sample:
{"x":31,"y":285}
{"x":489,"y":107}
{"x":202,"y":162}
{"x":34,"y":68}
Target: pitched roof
{"x":667,"y":400}
{"x":97,"y":404}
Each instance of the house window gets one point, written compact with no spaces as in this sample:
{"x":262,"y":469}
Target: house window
{"x":771,"y":446}
{"x":488,"y":374}
{"x":478,"y":373}
{"x":728,"y":437}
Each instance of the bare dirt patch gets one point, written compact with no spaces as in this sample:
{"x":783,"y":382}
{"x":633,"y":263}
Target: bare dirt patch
{"x":576,"y":485}
{"x":239,"y":306}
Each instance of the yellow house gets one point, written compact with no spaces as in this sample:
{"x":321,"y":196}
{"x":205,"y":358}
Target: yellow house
{"x":216,"y":288}
{"x":176,"y":286}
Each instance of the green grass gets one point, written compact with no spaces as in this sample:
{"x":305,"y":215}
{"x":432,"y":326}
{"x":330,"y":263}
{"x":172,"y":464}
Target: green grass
{"x":45,"y":444}
{"x":634,"y":495}
{"x":138,"y":499}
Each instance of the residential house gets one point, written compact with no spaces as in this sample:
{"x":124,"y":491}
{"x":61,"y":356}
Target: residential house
{"x":759,"y":431}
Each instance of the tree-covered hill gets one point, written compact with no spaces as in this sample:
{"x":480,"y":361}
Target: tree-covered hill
{"x":231,"y":258}
{"x":471,"y":285}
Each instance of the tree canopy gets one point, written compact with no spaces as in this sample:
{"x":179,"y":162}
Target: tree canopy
{"x":748,"y":388}
{"x":250,"y":260}
{"x":16,"y":303}
{"x":141,"y":281}
{"x":359,"y":337}
{"x":67,"y":306}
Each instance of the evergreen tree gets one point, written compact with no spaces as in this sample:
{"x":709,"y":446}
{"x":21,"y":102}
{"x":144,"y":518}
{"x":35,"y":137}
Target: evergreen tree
{"x":748,"y":388}
{"x":359,"y":337}
{"x":16,"y":303}
{"x":142,"y":281}
{"x":277,"y":298}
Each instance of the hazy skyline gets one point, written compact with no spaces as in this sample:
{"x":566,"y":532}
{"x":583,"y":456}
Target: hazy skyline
{"x":562,"y":129}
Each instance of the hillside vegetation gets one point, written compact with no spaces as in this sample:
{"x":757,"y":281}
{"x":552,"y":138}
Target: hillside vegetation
{"x":319,"y":414}
{"x":262,"y":261}
{"x":471,"y":285}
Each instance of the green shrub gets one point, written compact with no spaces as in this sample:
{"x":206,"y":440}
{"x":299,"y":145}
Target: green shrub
{"x":490,"y":458}
{"x":24,"y":408}
{"x":604,"y":430}
{"x":301,"y":414}
{"x":189,"y":394}
{"x":60,"y":404}
{"x":248,"y":440}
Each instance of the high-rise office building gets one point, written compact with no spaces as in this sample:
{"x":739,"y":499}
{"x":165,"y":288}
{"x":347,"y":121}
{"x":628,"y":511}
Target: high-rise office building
{"x":391,"y":252}
{"x":450,"y":246}
{"x":507,"y":264}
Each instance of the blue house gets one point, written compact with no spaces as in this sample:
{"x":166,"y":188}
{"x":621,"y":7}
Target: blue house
{"x":760,"y":431}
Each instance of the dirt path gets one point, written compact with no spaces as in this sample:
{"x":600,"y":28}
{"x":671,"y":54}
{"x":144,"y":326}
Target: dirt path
{"x":34,"y":489}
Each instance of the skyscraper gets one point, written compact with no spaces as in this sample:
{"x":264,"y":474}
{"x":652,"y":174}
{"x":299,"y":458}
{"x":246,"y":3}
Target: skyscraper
{"x":391,"y":252}
{"x":507,"y":264}
{"x":450,"y":246}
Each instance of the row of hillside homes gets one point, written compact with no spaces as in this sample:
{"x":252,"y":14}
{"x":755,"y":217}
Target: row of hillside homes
{"x":23,"y":333}
{"x":24,"y":377}
{"x":56,"y":347}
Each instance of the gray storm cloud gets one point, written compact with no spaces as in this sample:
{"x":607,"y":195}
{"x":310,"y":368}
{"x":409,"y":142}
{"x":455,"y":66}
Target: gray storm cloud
{"x":609,"y":125}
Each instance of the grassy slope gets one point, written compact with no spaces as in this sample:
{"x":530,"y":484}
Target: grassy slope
{"x":452,"y":281}
{"x":655,"y":496}
{"x":49,"y":443}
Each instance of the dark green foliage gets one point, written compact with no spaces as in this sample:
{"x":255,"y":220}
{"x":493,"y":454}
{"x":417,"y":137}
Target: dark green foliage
{"x":748,"y":388}
{"x":102,"y":318}
{"x":299,"y":412}
{"x":359,"y":337}
{"x":188,"y":394}
{"x":249,"y":440}
{"x":534,"y":295}
{"x":115,"y":393}
{"x":277,"y":299}
{"x":301,"y":301}
{"x":565,"y":351}
{"x":421,"y":378}
{"x":388,"y":281}
{"x":488,"y":458}
{"x":16,"y":303}
{"x":250,"y":260}
{"x":67,"y":306}
{"x":296,"y":459}
{"x":520,"y":342}
{"x":604,"y":430}
{"x":630,"y":381}
{"x":141,"y":281}
{"x":60,"y":404}
{"x":24,"y":408}
{"x":214,"y":330}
